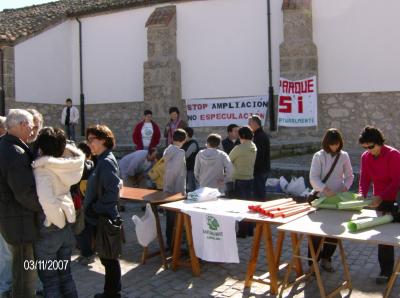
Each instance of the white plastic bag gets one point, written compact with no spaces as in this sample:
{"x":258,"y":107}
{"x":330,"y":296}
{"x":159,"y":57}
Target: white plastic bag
{"x":273,"y":185}
{"x":146,"y":230}
{"x":283,"y":183}
{"x":272,"y":182}
{"x":203,"y":194}
{"x":296,"y":186}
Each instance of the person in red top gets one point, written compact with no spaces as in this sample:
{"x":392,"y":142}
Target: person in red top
{"x":380,"y":166}
{"x":146,"y":134}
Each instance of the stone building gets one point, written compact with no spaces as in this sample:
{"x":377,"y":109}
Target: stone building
{"x":121,"y":57}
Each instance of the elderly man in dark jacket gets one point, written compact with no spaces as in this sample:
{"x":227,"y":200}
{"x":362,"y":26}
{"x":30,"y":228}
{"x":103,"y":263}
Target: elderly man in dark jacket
{"x":19,"y":203}
{"x":262,"y":165}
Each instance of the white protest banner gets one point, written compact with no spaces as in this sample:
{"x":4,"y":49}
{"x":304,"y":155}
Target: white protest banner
{"x":298,"y":103}
{"x":225,"y":111}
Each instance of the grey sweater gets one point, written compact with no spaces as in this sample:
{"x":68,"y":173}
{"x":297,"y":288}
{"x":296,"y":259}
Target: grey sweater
{"x":341,"y":177}
{"x":213,"y":168}
{"x":175,"y":170}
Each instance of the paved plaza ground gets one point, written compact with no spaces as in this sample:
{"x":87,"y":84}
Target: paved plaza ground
{"x":223,"y":280}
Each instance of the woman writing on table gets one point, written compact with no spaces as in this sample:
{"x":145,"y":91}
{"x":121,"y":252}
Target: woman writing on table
{"x":380,"y":166}
{"x":330,"y":159}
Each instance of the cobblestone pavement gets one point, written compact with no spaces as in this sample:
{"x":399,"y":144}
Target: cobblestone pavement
{"x":223,"y":280}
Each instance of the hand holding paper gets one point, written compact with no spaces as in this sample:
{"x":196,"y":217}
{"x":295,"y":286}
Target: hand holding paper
{"x":376,"y":201}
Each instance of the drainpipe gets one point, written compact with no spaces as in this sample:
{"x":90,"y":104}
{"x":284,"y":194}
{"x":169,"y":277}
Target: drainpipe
{"x":2,"y":92}
{"x":271,"y":105}
{"x":82,"y":95}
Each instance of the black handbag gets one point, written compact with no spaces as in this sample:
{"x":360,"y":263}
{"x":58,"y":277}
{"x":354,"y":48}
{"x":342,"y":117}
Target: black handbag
{"x":109,"y":238}
{"x":313,"y":195}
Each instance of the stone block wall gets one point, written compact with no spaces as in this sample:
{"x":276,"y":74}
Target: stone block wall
{"x":162,"y":70}
{"x":350,"y":112}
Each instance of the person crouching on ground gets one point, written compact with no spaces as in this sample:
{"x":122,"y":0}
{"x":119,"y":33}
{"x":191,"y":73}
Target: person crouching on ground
{"x":58,"y":167}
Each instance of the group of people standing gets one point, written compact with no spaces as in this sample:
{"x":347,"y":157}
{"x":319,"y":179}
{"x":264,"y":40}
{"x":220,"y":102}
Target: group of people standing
{"x":239,"y":170}
{"x":331,"y":172}
{"x":38,"y":214}
{"x":242,"y":168}
{"x":40,"y":168}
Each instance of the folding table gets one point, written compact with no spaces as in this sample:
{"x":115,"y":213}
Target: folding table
{"x":262,"y":230}
{"x":155,"y":198}
{"x":331,"y":223}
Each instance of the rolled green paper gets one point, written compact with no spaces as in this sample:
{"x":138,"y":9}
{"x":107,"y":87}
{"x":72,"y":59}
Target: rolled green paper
{"x":351,"y":204}
{"x":317,"y":202}
{"x":364,"y":223}
{"x":327,"y":206}
{"x":332,"y":200}
{"x":348,"y":196}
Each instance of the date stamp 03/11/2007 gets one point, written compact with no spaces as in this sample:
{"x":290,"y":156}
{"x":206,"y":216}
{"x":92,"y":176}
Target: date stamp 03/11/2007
{"x":46,"y":264}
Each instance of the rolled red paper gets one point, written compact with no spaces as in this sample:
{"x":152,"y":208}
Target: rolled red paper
{"x":287,"y":206}
{"x":277,"y":213}
{"x":295,"y":211}
{"x":260,"y":208}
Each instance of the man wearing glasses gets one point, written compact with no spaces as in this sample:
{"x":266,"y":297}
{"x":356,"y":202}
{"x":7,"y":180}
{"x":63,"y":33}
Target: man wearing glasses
{"x":380,"y":166}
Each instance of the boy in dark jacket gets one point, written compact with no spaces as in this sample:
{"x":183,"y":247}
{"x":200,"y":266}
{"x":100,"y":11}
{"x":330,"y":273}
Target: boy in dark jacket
{"x":191,"y":148}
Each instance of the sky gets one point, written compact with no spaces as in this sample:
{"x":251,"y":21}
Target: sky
{"x":20,"y":3}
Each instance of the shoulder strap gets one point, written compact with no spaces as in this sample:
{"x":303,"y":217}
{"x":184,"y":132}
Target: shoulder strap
{"x":332,"y":168}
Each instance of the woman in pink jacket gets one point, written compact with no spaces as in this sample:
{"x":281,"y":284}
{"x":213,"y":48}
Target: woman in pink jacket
{"x":380,"y":166}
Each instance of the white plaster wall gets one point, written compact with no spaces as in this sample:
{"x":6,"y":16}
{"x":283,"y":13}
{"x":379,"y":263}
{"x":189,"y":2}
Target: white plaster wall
{"x":75,"y":76}
{"x":114,"y":50}
{"x":358,"y":45}
{"x":222,"y":47}
{"x":43,"y":68}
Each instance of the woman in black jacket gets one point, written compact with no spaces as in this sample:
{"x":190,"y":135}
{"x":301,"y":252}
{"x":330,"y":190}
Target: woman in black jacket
{"x":102,"y":196}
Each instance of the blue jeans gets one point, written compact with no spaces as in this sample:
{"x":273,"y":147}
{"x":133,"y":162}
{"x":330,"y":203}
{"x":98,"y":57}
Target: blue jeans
{"x":5,"y":266}
{"x":191,"y":183}
{"x":70,"y":130}
{"x":259,"y":186}
{"x":54,"y":248}
{"x":85,"y":240}
{"x":243,"y":190}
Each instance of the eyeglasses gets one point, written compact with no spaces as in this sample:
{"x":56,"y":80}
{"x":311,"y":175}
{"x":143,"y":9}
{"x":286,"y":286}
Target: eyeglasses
{"x":370,"y":147}
{"x":90,"y":139}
